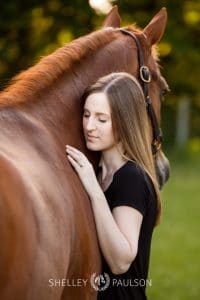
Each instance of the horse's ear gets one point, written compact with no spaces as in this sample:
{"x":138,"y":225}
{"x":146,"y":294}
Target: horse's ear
{"x":155,"y":29}
{"x":113,"y":18}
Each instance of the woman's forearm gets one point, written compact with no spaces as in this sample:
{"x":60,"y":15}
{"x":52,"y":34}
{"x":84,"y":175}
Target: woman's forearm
{"x":114,"y":245}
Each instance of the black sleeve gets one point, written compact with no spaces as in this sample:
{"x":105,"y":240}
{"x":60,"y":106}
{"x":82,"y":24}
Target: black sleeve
{"x":131,"y":189}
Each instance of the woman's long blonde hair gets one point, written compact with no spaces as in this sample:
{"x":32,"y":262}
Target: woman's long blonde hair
{"x":130,"y":121}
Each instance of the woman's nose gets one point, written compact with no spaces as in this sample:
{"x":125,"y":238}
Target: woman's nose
{"x":90,"y":124}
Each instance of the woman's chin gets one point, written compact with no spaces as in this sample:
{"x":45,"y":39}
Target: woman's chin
{"x":92,"y":146}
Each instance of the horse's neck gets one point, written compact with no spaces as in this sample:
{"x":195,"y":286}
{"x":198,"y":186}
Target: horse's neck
{"x":62,"y":101}
{"x":60,"y":107}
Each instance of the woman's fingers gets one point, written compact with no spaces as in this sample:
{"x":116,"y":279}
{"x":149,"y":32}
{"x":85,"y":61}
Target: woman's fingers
{"x":73,"y":154}
{"x":83,"y":167}
{"x":73,"y":162}
{"x":68,"y":147}
{"x":76,"y":154}
{"x":75,"y":157}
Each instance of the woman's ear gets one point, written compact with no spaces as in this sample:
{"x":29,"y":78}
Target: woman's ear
{"x":113,"y":18}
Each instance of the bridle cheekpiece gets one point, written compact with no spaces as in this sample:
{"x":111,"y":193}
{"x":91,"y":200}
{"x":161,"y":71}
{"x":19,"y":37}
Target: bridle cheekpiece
{"x":145,"y":79}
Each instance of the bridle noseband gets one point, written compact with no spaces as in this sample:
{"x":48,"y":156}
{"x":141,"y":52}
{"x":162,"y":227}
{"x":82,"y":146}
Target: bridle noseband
{"x":145,"y":78}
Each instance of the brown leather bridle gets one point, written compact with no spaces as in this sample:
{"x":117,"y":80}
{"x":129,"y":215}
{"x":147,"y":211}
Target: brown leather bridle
{"x":145,"y":78}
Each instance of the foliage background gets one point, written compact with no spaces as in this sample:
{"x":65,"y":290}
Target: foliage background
{"x":34,"y":28}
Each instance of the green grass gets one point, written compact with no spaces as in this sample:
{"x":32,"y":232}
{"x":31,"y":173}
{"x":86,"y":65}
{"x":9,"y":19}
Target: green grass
{"x":175,"y":255}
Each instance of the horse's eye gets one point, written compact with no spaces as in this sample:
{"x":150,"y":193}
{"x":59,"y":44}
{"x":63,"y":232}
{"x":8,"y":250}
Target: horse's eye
{"x":162,"y":94}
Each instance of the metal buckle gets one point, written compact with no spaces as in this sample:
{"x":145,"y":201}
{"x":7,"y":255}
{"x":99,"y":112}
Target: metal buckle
{"x":157,"y":145}
{"x":148,"y":100}
{"x":145,"y":69}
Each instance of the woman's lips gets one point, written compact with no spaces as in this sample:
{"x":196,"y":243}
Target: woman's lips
{"x":91,"y":137}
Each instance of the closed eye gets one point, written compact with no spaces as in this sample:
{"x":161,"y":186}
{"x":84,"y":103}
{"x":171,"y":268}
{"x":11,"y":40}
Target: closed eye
{"x":85,"y":115}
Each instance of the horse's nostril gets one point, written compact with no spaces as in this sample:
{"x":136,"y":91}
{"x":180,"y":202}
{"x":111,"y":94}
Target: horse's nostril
{"x":160,"y":180}
{"x":167,"y":172}
{"x":162,"y":171}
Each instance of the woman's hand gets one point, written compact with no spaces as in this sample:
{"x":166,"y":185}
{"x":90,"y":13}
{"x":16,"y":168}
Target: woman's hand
{"x":84,"y":170}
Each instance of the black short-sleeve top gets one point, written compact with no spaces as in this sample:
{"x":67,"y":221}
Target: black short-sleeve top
{"x":131,"y":186}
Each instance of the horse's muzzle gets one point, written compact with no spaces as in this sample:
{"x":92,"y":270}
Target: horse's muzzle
{"x":162,"y":169}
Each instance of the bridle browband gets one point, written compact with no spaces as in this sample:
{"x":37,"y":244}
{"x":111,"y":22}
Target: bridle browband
{"x":145,"y":78}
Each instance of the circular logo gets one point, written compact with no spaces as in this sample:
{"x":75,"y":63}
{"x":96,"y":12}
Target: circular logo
{"x":100,"y":282}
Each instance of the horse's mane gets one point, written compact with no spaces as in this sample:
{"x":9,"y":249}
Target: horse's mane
{"x":49,"y":69}
{"x":31,"y":82}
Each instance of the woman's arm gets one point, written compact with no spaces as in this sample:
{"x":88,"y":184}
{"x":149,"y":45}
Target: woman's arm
{"x":118,"y":232}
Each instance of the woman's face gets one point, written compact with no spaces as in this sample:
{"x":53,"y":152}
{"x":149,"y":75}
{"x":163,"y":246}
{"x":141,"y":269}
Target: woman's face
{"x":97,"y":124}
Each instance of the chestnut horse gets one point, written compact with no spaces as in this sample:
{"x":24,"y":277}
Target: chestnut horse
{"x":47,"y":230}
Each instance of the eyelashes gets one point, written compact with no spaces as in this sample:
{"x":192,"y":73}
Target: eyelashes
{"x":100,"y":120}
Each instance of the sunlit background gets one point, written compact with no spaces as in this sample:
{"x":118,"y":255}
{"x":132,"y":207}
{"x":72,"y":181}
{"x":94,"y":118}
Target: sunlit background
{"x":101,"y":6}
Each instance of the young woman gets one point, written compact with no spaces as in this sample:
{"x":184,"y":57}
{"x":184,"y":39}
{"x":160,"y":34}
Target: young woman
{"x":124,"y":194}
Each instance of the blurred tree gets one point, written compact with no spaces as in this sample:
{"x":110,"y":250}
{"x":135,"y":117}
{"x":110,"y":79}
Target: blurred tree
{"x":29,"y":29}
